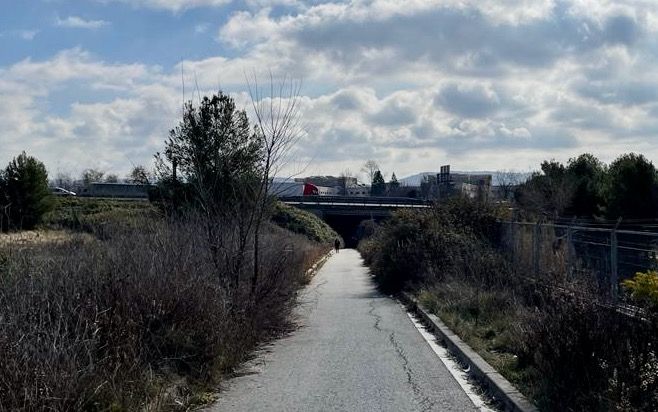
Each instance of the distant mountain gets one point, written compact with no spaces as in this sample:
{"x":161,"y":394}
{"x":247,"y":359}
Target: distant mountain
{"x":414,"y":180}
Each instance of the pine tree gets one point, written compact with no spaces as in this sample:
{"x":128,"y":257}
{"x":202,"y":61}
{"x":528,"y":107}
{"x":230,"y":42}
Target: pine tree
{"x":24,"y":194}
{"x":378,"y":184}
{"x":394,"y":184}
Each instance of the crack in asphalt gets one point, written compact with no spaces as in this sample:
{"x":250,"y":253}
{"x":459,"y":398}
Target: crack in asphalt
{"x":377,"y":317}
{"x":425,"y":402}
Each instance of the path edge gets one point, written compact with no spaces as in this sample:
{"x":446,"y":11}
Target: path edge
{"x":499,"y":387}
{"x":313,"y":270}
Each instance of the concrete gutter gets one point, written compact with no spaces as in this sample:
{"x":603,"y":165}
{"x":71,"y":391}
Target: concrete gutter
{"x":310,"y":272}
{"x":497,"y":386}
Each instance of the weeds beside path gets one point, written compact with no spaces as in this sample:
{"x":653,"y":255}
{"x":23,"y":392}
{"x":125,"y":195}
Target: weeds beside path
{"x":565,"y":351}
{"x":136,"y":315}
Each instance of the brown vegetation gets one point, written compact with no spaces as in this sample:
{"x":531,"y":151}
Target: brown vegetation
{"x":553,"y":337}
{"x":110,"y":323}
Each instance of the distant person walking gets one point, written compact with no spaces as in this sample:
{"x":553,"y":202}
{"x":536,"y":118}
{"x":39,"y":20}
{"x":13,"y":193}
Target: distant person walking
{"x":337,"y":245}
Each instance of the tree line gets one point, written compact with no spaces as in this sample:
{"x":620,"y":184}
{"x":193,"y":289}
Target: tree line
{"x":585,"y":187}
{"x":378,"y":186}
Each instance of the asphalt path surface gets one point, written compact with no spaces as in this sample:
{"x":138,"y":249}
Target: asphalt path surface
{"x":355,"y":350}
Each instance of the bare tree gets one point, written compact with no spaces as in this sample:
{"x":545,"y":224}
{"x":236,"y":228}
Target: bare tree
{"x":278,"y":123}
{"x":64,"y":180}
{"x":92,"y":176}
{"x":370,"y":167}
{"x":507,"y":181}
{"x":345,"y":176}
{"x":139,"y":175}
{"x":111,"y":178}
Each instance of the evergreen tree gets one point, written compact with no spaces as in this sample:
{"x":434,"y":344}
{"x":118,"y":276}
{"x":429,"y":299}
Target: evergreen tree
{"x":215,"y":153}
{"x":394,"y":184}
{"x":586,"y":173}
{"x":24,"y":194}
{"x":549,"y":192}
{"x":378,"y":186}
{"x":630,"y":188}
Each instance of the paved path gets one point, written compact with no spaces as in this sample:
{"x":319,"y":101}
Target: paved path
{"x":356,"y":350}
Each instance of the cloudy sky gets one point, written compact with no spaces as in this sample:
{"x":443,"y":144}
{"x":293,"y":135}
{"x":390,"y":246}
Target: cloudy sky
{"x":413,"y":84}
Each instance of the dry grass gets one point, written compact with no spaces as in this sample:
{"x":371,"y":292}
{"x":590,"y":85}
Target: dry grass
{"x":139,"y":316}
{"x":552,"y":336}
{"x":39,"y":237}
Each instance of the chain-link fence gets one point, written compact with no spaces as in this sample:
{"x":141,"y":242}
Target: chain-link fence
{"x":602,"y":256}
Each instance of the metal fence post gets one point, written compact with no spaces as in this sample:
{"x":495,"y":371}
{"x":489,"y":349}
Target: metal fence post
{"x":569,"y":253}
{"x":535,"y":249}
{"x":614,"y":276}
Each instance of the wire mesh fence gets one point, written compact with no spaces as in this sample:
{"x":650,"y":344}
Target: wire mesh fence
{"x":565,"y":253}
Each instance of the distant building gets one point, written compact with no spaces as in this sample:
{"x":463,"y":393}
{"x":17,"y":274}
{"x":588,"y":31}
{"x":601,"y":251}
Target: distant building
{"x":473,"y":186}
{"x":446,"y":184}
{"x":117,"y":190}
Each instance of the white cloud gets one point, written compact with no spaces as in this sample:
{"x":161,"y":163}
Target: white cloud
{"x":28,"y":34}
{"x":411,"y":84}
{"x":75,"y":22}
{"x":23,"y":34}
{"x":172,"y":5}
{"x":201,"y":28}
{"x":101,"y":134}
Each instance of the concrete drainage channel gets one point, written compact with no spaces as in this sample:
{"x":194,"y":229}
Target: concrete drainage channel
{"x":496,"y":386}
{"x":318,"y":265}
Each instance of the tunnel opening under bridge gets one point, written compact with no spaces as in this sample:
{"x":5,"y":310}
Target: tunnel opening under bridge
{"x":349,"y":226}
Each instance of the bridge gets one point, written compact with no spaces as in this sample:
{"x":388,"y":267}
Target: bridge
{"x":345,"y":213}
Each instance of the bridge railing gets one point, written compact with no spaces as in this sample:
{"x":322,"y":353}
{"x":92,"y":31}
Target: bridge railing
{"x":392,"y":202}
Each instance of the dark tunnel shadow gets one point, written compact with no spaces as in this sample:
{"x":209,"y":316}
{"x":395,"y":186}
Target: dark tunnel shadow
{"x":348,"y":227}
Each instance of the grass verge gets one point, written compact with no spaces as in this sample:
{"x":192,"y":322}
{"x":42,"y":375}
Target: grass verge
{"x":555,"y":339}
{"x":137,"y":311}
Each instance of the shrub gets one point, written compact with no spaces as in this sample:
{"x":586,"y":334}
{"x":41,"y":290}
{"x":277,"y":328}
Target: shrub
{"x":103,"y":324}
{"x":590,"y":357}
{"x":24,"y":195}
{"x":630,"y":188}
{"x":644,"y":288}
{"x":424,"y":246}
{"x":565,"y":347}
{"x":303,"y":222}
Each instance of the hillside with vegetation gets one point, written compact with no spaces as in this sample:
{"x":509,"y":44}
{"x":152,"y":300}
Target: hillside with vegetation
{"x":304,"y":223}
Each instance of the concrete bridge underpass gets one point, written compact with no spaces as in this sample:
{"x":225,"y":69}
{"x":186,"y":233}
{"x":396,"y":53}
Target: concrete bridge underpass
{"x":344,"y":214}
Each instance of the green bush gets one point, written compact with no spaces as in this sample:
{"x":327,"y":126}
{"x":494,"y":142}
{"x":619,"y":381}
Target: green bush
{"x":24,"y":195}
{"x":644,"y":288}
{"x":424,"y":246}
{"x":303,"y":222}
